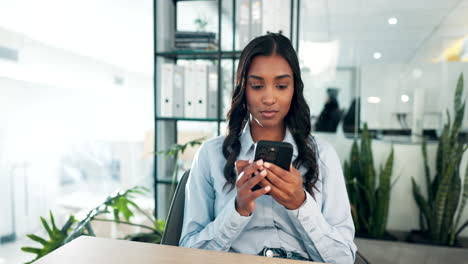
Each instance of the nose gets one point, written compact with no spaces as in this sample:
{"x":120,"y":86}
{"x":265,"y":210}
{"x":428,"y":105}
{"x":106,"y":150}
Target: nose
{"x":269,"y":96}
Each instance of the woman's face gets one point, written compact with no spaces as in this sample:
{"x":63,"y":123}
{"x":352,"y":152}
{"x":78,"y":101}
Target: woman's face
{"x":269,"y":91}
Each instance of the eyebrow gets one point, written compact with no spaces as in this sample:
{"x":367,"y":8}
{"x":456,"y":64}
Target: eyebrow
{"x":277,"y":77}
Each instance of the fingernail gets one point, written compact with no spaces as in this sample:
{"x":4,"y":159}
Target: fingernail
{"x":268,"y":188}
{"x":250,"y":161}
{"x":263,"y":173}
{"x":259,"y":162}
{"x":267,"y":164}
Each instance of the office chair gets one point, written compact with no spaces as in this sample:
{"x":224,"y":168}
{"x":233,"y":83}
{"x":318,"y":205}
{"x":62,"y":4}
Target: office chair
{"x":175,"y":219}
{"x":360,"y":259}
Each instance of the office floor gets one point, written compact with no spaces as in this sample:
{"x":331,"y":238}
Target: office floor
{"x":375,"y":251}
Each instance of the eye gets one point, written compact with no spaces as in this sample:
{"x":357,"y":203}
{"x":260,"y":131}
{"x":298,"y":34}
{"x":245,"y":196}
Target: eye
{"x":256,"y":86}
{"x":282,"y":86}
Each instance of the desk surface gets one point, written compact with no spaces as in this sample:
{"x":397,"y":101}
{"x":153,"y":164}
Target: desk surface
{"x":86,"y":249}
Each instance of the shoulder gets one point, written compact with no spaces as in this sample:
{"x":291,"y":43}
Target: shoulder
{"x":213,"y":146}
{"x":328,"y":161}
{"x":324,"y":148}
{"x":213,"y":143}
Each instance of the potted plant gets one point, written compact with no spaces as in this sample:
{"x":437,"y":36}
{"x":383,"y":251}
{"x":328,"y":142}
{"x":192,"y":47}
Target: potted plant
{"x":439,"y":217}
{"x":173,"y":152}
{"x":369,"y":192}
{"x":119,"y":204}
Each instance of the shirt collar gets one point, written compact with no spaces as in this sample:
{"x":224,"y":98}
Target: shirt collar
{"x":247,"y":142}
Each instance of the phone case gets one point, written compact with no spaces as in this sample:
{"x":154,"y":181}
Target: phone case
{"x":278,"y":153}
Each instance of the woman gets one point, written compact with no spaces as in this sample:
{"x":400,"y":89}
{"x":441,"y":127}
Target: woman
{"x":306,"y":215}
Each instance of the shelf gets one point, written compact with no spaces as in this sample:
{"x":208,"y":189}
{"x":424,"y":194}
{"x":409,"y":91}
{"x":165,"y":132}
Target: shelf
{"x":192,"y":1}
{"x":198,"y":55}
{"x":166,"y":182}
{"x":189,"y":119}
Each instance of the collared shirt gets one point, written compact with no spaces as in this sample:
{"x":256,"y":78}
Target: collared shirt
{"x":321,"y":229}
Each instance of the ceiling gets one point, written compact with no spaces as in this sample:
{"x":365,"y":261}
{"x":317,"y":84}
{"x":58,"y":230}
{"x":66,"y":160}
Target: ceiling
{"x":120,"y":32}
{"x":424,"y":28}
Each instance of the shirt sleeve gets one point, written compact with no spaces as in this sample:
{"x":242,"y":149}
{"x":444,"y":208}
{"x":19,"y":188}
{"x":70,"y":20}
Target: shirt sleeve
{"x":201,"y":228}
{"x":328,"y":231}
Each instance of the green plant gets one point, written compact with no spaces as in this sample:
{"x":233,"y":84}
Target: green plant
{"x":56,"y":237}
{"x":120,"y":204}
{"x":201,"y":23}
{"x":173,"y":152}
{"x":369,"y":205}
{"x":438,"y":211}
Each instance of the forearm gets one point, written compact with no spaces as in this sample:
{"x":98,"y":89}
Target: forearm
{"x":216,"y":235}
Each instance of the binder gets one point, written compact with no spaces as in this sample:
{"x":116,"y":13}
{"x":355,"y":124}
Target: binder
{"x":212,"y":92}
{"x":178,"y":93}
{"x":244,"y":23}
{"x":166,"y":95}
{"x":275,"y":17}
{"x":199,"y":91}
{"x":189,"y":93}
{"x":256,"y":19}
{"x":282,"y":17}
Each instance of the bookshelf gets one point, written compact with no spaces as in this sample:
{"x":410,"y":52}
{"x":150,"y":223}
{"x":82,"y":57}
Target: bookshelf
{"x":165,"y":27}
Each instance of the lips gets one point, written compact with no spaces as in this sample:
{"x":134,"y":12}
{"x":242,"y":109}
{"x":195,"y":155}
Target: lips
{"x":268,"y":114}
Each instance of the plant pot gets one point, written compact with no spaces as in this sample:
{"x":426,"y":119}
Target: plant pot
{"x":420,"y":237}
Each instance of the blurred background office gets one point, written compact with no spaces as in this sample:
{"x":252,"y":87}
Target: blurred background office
{"x":80,"y":111}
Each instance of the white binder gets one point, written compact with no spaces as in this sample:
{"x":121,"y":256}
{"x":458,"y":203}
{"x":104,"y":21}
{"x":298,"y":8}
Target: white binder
{"x":189,"y":91}
{"x":166,"y":96}
{"x":243,"y":11}
{"x":200,"y":82}
{"x":178,"y":98}
{"x":276,"y":17}
{"x":256,"y":19}
{"x":212,"y":92}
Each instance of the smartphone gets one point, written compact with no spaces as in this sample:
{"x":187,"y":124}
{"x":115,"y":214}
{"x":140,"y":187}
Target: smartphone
{"x":278,"y":153}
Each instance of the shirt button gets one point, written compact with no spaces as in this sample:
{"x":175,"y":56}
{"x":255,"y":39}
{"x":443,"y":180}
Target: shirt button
{"x":269,"y":253}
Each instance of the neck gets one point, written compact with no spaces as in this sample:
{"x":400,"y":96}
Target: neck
{"x":258,"y":132}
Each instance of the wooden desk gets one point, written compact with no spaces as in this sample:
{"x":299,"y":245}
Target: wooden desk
{"x":93,"y":250}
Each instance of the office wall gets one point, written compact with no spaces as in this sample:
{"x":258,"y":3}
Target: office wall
{"x":408,"y":162}
{"x":390,"y":81}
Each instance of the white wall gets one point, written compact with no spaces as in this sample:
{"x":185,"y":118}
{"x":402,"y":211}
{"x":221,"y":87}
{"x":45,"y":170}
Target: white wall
{"x":390,"y":81}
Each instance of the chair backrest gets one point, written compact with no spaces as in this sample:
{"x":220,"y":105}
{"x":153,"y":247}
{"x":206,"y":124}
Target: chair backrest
{"x":360,"y":259}
{"x":175,"y":217}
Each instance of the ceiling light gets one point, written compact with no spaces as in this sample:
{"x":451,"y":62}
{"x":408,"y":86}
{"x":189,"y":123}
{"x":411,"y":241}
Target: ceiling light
{"x":373,"y":99}
{"x":377,"y":55}
{"x":404,"y":98}
{"x":392,"y":21}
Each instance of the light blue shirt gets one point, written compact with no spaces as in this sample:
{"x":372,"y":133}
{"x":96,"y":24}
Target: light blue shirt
{"x":321,"y":229}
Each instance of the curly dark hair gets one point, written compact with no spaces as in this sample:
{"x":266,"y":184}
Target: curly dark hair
{"x":297,"y":119}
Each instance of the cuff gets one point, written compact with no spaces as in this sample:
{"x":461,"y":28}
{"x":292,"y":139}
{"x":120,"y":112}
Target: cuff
{"x":310,"y":217}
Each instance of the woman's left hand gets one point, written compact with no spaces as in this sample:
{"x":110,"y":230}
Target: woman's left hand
{"x":286,"y":186}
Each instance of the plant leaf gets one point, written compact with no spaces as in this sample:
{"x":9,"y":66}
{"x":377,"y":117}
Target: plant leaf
{"x":56,"y":239}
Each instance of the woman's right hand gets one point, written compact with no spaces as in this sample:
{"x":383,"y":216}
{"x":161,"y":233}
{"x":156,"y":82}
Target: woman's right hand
{"x":245,"y":199}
